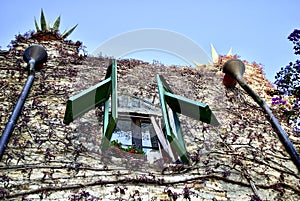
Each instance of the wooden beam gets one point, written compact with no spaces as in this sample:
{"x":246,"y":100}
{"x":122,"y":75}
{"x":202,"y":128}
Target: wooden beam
{"x":161,"y":137}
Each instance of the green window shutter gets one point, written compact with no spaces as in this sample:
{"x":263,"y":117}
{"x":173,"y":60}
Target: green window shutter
{"x":190,"y":108}
{"x":89,"y":98}
{"x":110,"y":120}
{"x":84,"y":101}
{"x":187,"y":107}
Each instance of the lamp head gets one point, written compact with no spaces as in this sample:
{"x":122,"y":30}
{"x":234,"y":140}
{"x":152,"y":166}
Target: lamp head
{"x":37,"y":53}
{"x":234,"y":68}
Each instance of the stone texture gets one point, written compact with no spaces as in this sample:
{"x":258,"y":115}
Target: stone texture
{"x":242,"y":159}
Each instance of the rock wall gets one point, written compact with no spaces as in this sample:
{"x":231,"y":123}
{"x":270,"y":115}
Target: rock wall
{"x":242,"y":159}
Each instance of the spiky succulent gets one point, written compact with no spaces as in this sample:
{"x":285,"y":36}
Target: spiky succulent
{"x":44,"y":26}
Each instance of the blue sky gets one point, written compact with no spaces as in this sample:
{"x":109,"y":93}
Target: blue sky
{"x":257,"y":30}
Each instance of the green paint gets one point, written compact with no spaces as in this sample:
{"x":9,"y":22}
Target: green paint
{"x":180,"y":105}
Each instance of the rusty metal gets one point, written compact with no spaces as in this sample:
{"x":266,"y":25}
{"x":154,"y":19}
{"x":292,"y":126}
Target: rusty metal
{"x":35,"y":56}
{"x":235,"y":68}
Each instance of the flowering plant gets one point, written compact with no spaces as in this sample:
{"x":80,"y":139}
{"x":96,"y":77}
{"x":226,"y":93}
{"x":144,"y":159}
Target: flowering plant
{"x":287,"y":81}
{"x":130,"y":149}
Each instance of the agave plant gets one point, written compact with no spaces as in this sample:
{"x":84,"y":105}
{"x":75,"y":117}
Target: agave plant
{"x":44,"y":26}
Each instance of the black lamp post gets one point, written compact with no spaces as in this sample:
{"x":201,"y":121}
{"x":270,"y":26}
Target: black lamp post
{"x":235,"y":69}
{"x":35,"y":56}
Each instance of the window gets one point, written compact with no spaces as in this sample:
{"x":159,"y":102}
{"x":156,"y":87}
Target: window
{"x":136,"y":130}
{"x":133,"y":126}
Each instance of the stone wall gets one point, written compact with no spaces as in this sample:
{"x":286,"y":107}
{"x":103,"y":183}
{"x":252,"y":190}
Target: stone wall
{"x":242,"y":159}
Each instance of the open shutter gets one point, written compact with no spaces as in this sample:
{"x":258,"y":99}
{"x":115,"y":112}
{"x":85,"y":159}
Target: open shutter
{"x":86,"y":100}
{"x":187,"y":107}
{"x":110,"y":120}
{"x":89,"y":98}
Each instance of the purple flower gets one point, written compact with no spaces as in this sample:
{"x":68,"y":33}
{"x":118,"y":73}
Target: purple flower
{"x":283,"y":102}
{"x":278,"y":100}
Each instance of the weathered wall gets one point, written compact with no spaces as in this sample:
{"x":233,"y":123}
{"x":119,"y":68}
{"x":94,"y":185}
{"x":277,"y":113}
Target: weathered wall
{"x":47,"y":159}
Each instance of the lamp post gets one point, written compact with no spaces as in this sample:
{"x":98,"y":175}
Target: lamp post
{"x":235,"y":68}
{"x":35,"y":56}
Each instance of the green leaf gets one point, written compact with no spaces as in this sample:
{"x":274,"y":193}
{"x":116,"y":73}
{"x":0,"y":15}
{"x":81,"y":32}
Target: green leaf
{"x":43,"y":21}
{"x":67,"y":33}
{"x":36,"y":25}
{"x":56,"y":24}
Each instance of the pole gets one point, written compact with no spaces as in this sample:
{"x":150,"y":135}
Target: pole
{"x":275,"y":124}
{"x":235,"y":69}
{"x":33,"y":55}
{"x":15,"y":115}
